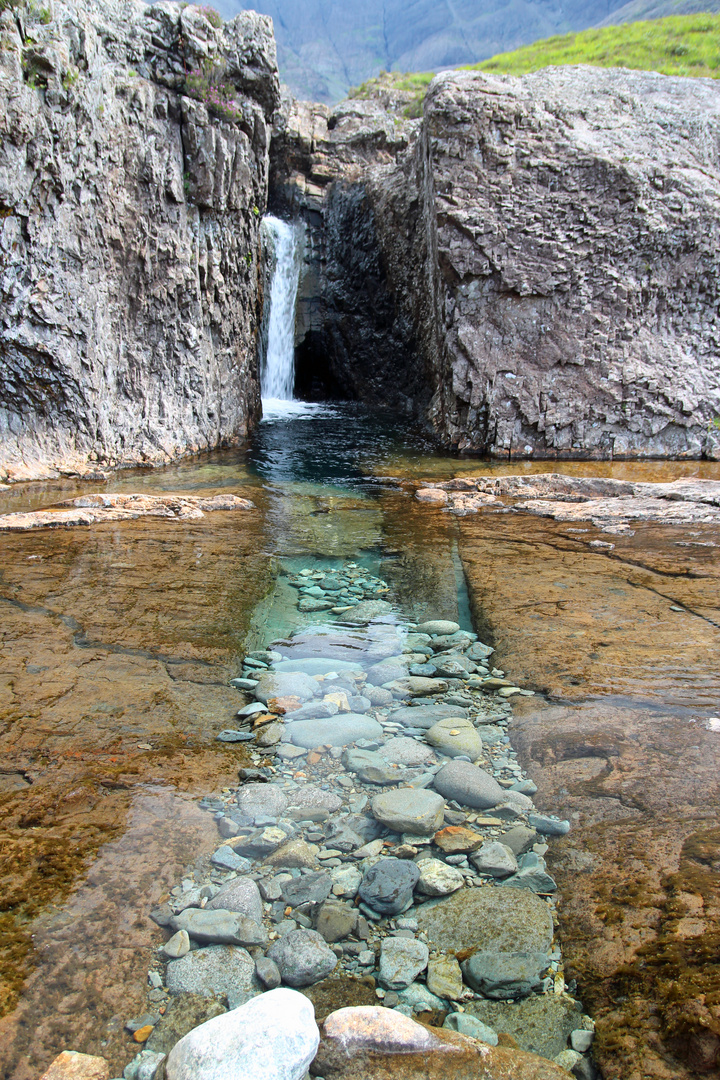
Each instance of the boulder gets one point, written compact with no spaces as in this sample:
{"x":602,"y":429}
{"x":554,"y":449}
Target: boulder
{"x":373,"y":1043}
{"x":261,"y":800}
{"x":302,"y":957}
{"x":504,"y":920}
{"x":276,"y":684}
{"x":337,"y":730}
{"x":274,"y":1035}
{"x":241,"y":895}
{"x":455,"y":737}
{"x":388,"y":886}
{"x":218,"y":927}
{"x":408,"y":810}
{"x":505,"y":975}
{"x":214,"y":971}
{"x":401,"y":961}
{"x":469,"y":785}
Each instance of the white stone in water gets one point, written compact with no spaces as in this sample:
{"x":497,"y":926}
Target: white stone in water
{"x":274,"y":1036}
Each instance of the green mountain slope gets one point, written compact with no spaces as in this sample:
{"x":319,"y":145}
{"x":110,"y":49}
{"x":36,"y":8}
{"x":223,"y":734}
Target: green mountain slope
{"x":677,"y":45}
{"x":687,"y":45}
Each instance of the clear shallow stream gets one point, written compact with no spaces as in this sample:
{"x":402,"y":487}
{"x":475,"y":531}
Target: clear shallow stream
{"x":119,"y":642}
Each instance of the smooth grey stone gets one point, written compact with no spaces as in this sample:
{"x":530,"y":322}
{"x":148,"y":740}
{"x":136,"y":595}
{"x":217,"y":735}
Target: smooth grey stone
{"x":230,"y":735}
{"x":478,"y":651}
{"x":336,"y":920}
{"x":312,"y":797}
{"x":425,"y":670}
{"x":255,"y":707}
{"x":455,"y":737}
{"x":337,"y":731}
{"x":519,"y":839}
{"x":177,"y":946}
{"x":313,"y":710}
{"x":388,"y":670}
{"x":308,"y":603}
{"x":410,"y":810}
{"x":550,"y":826}
{"x":424,"y":716}
{"x":219,"y":927}
{"x":369,"y":828}
{"x":340,"y":836}
{"x":244,"y":684}
{"x":256,"y":800}
{"x":495,"y":859}
{"x":227,"y":859}
{"x":147,"y":1065}
{"x":531,"y":875}
{"x":435,"y":627}
{"x":286,"y":684}
{"x":490,"y":734}
{"x":468,"y":785}
{"x":377,"y":696}
{"x":540,"y":1024}
{"x":358,"y":703}
{"x":310,"y":888}
{"x":369,"y":767}
{"x":418,"y":998}
{"x":387,"y":887}
{"x":525,"y":787}
{"x":401,"y":961}
{"x":261,"y":842}
{"x":267,"y":972}
{"x":241,"y":895}
{"x":368,"y":610}
{"x":274,"y":1035}
{"x":403,"y":750}
{"x":470,"y":1025}
{"x":215,"y":970}
{"x":303,"y":957}
{"x":505,"y":975}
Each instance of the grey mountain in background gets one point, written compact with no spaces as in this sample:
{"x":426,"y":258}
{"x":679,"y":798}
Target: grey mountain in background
{"x":327,"y":46}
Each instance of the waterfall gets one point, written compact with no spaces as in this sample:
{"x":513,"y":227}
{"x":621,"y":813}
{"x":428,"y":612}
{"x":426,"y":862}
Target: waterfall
{"x":283,"y":244}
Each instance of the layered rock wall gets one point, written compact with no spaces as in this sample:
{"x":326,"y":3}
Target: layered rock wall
{"x":129,"y":232}
{"x":554,"y":241}
{"x":533,"y":270}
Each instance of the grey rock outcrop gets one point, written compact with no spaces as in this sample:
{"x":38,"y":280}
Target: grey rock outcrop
{"x":563,"y":277}
{"x":531,"y":269}
{"x":129,"y":218}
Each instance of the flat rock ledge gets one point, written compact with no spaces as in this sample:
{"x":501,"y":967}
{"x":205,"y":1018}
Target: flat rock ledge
{"x":93,"y":509}
{"x":606,"y":503}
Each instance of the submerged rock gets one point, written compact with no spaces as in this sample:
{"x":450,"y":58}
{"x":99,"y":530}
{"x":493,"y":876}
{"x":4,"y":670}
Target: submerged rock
{"x":302,"y":957}
{"x":406,"y":810}
{"x":275,"y":1036}
{"x":388,"y":886}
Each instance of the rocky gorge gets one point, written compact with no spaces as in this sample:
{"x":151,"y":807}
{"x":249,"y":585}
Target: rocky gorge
{"x":473,"y":694}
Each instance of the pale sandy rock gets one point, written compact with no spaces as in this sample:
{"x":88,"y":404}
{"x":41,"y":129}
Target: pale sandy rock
{"x":70,"y":1065}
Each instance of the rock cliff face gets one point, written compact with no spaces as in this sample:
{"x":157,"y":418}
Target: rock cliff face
{"x":561,"y":262}
{"x":542,"y":274}
{"x":129,"y":216}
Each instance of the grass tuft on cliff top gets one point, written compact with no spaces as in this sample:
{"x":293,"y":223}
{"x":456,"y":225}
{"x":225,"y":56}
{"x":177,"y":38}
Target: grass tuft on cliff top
{"x":685,"y":45}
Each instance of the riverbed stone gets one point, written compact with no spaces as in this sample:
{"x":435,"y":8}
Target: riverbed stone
{"x":261,"y":842}
{"x":505,"y":975}
{"x":368,"y":610}
{"x":424,"y":716}
{"x":407,"y":810}
{"x":468,"y":785}
{"x":457,"y":839}
{"x":472,"y":1027}
{"x":505,"y":920}
{"x":261,"y":800}
{"x":241,"y":895}
{"x":182,"y":1013}
{"x":444,"y":978}
{"x":219,"y":927}
{"x":312,"y":797}
{"x":416,"y":686}
{"x":346,"y":882}
{"x":455,"y":737}
{"x":276,"y":684}
{"x":437,"y":627}
{"x":387,"y":887}
{"x":226,"y":859}
{"x":278,"y":1029}
{"x":270,"y":734}
{"x":549,"y":825}
{"x":494,"y":859}
{"x":310,"y":888}
{"x":404,"y":750}
{"x":336,"y":921}
{"x":519,"y":839}
{"x":438,"y":879}
{"x":302,"y":957}
{"x":338,"y":730}
{"x":295,"y":855}
{"x":70,"y":1065}
{"x":214,"y":970}
{"x":401,"y":961}
{"x":318,"y":665}
{"x":540,"y":1023}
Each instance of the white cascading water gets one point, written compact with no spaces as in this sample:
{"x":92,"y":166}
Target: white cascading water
{"x":284,"y":245}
